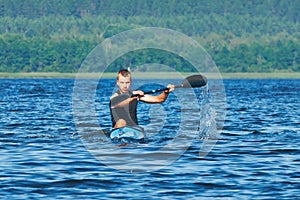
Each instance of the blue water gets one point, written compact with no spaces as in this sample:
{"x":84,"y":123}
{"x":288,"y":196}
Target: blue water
{"x":48,"y":153}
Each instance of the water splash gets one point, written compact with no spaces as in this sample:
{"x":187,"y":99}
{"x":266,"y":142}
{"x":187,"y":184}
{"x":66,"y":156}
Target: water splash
{"x":208,"y":131}
{"x":208,"y":126}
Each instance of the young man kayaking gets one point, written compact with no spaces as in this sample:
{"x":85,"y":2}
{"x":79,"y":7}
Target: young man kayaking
{"x":123,"y":103}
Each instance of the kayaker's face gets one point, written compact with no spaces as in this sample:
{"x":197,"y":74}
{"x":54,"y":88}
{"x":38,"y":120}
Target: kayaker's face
{"x":124,"y":83}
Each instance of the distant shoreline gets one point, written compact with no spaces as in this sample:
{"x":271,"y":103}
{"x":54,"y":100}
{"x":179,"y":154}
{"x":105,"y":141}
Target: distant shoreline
{"x":166,"y":75}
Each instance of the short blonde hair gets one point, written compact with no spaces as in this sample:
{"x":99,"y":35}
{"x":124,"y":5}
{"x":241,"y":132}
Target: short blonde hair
{"x":124,"y":72}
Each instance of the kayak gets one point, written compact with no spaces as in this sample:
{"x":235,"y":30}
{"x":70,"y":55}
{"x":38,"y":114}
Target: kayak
{"x":128,"y":132}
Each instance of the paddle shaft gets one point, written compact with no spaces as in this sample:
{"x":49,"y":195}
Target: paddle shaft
{"x":160,"y":90}
{"x":190,"y":82}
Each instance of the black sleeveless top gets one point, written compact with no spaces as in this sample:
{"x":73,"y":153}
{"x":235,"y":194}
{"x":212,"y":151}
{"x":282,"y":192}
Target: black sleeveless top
{"x":127,"y":113}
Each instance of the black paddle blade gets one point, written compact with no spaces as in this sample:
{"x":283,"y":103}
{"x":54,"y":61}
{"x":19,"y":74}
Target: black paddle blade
{"x":194,"y":81}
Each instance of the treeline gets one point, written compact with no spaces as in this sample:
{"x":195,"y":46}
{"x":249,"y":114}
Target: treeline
{"x":287,"y":9}
{"x":241,"y":36}
{"x":21,"y":54}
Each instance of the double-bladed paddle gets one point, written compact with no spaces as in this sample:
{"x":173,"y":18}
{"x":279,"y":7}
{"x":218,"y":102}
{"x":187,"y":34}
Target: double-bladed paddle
{"x":193,"y":81}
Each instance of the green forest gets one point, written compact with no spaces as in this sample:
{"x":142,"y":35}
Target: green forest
{"x":240,"y":35}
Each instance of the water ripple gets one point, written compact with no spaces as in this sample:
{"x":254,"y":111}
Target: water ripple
{"x":44,"y":157}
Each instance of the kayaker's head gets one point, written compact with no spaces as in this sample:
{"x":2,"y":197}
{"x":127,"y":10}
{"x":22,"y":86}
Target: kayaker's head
{"x":124,"y":80}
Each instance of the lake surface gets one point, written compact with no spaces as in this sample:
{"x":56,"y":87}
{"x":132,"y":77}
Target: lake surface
{"x":52,"y":146}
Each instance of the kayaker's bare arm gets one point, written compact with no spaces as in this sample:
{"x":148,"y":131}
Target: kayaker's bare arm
{"x":159,"y":98}
{"x":124,"y":99}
